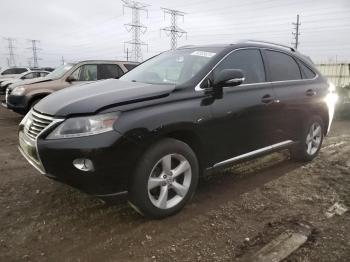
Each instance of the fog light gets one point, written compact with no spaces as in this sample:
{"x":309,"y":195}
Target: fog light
{"x":83,"y":164}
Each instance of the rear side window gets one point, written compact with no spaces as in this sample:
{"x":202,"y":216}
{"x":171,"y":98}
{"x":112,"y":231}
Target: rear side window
{"x":130,"y":66}
{"x":20,"y":70}
{"x":12,"y":71}
{"x":247,"y":60}
{"x":282,"y":67}
{"x":306,"y":72}
{"x":107,"y":71}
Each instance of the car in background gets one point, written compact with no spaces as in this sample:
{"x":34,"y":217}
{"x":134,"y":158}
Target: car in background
{"x":20,"y":78}
{"x":20,"y":97}
{"x":10,"y":73}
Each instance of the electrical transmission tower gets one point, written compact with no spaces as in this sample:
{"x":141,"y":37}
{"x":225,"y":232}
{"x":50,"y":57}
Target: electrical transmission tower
{"x":11,"y":62}
{"x":296,"y":33}
{"x":173,"y":31}
{"x":136,"y":28}
{"x":35,"y":52}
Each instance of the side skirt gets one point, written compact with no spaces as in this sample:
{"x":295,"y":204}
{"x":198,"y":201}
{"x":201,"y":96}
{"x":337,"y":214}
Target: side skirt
{"x":253,"y":154}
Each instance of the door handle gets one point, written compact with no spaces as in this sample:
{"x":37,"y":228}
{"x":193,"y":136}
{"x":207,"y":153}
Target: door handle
{"x":310,"y":92}
{"x":267,"y":99}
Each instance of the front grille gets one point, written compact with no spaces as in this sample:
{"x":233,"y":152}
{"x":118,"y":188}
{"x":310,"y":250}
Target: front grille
{"x":36,"y":123}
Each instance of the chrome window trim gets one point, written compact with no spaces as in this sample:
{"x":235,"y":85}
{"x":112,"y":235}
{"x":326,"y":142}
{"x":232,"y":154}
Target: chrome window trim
{"x":199,"y":89}
{"x":252,"y":153}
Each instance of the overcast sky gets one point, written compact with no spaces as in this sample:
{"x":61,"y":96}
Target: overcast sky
{"x":81,"y":29}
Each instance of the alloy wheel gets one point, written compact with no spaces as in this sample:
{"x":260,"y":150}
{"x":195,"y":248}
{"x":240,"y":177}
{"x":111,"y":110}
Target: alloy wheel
{"x":313,"y":139}
{"x":169,"y":181}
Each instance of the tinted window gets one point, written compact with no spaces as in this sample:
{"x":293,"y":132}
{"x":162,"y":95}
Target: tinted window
{"x":282,"y":67}
{"x":130,"y":66}
{"x":247,"y":60}
{"x":12,"y":71}
{"x":306,"y":72}
{"x":20,"y":70}
{"x":109,"y":71}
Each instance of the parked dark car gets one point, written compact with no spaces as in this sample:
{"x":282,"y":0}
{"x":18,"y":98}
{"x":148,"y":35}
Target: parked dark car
{"x":183,"y":113}
{"x":23,"y":96}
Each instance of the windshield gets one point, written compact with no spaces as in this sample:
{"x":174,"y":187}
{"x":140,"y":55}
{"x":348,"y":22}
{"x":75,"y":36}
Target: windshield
{"x":172,"y":67}
{"x":59,"y":71}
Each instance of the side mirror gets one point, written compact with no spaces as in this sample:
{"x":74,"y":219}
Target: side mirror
{"x":71,"y":79}
{"x":229,"y":77}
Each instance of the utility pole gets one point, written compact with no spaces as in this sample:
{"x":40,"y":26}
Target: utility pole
{"x":127,"y":54}
{"x":296,"y":33}
{"x":62,"y":60}
{"x":136,"y":28}
{"x":35,"y":52}
{"x":11,"y":62}
{"x":173,"y":31}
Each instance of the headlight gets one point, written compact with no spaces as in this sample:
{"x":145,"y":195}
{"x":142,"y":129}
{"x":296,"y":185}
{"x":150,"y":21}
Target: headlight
{"x":84,"y":126}
{"x":18,"y":91}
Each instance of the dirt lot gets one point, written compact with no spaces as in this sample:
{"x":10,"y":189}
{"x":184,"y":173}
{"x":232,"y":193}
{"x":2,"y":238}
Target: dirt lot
{"x":233,"y":214}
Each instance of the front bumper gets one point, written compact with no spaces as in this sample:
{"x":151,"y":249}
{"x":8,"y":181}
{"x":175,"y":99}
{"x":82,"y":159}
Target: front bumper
{"x":112,"y":154}
{"x":19,"y":104}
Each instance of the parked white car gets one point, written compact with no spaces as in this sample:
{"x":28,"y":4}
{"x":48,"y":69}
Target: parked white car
{"x":5,"y":82}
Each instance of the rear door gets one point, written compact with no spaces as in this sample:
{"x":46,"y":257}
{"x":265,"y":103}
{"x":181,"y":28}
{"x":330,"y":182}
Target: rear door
{"x":107,"y":71}
{"x":294,"y":90}
{"x":243,"y":116}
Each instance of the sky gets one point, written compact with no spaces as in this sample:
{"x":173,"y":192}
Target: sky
{"x":80,"y":29}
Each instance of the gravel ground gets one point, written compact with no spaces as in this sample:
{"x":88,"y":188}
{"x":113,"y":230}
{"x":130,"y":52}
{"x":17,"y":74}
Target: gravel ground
{"x":234,"y":213}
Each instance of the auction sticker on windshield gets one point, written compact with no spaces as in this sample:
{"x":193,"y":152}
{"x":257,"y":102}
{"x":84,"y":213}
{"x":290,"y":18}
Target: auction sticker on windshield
{"x":203,"y":53}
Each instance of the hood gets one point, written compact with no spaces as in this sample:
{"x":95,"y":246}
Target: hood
{"x":8,"y":76}
{"x":89,"y":98}
{"x":31,"y":81}
{"x":3,"y":79}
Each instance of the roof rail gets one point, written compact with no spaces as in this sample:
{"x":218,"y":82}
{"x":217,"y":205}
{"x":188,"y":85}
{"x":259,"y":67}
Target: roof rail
{"x":271,"y":43}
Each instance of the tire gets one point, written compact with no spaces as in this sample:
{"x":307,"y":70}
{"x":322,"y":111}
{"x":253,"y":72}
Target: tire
{"x":159,"y":187}
{"x":309,"y":145}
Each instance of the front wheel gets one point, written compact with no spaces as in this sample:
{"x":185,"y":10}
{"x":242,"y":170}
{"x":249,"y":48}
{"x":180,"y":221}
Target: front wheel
{"x":311,"y":140}
{"x":165,"y":179}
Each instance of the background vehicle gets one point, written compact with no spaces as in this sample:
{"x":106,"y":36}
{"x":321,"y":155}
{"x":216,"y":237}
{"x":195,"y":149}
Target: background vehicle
{"x":24,"y":76}
{"x":10,"y":73}
{"x":21,"y":97}
{"x":176,"y":116}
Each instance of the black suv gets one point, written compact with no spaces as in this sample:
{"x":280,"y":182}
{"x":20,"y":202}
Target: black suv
{"x":153,"y":132}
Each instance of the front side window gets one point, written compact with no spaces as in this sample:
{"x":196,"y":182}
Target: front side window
{"x":247,"y":60}
{"x":172,"y":67}
{"x":282,"y":66}
{"x":29,"y":76}
{"x":106,"y":71}
{"x":85,"y":73}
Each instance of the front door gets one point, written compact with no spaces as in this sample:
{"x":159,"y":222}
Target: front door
{"x":244,"y":115}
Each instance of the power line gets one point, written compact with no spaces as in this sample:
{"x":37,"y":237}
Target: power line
{"x":136,"y":28}
{"x":11,"y":62}
{"x":173,"y":31}
{"x":296,"y":33}
{"x":35,"y":52}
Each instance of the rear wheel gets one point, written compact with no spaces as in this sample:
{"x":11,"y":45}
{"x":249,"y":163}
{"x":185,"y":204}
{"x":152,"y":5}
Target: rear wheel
{"x":311,"y":140}
{"x":165,"y":179}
